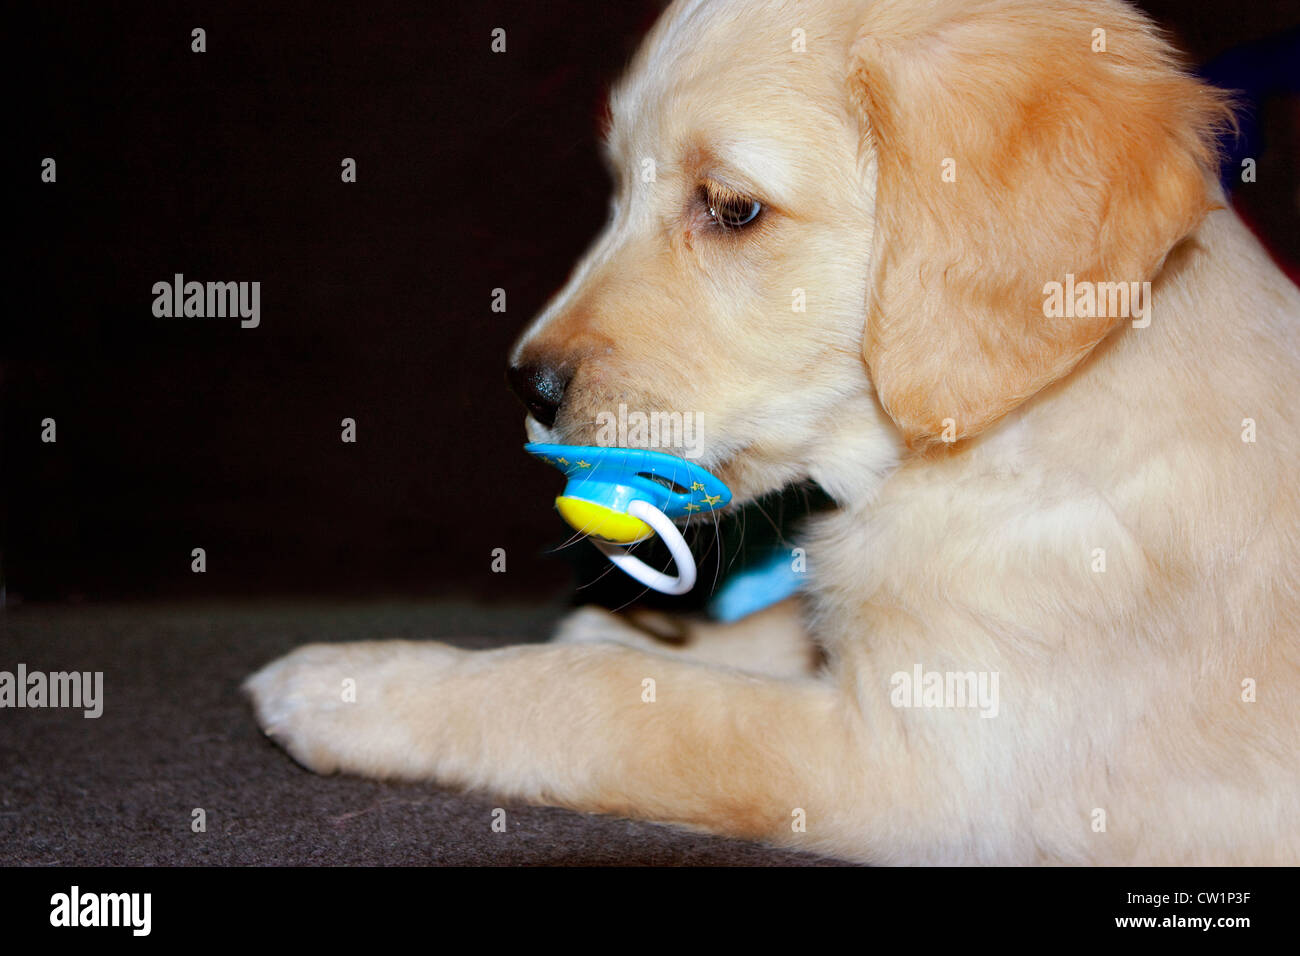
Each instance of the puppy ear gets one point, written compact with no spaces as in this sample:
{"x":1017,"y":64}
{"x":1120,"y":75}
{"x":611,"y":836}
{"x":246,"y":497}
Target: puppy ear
{"x":1015,"y":146}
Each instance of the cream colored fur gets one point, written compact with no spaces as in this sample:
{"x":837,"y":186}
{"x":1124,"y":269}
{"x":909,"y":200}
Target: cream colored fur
{"x":1121,"y":691}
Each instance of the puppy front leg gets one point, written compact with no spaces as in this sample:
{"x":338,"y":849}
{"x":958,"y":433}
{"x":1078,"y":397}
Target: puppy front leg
{"x":772,"y":642}
{"x":600,"y":728}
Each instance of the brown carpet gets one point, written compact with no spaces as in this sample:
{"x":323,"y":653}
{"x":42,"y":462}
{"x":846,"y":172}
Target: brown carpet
{"x":176,"y":734}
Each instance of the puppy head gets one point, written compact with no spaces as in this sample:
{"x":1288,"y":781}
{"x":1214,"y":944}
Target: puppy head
{"x":827,"y":209}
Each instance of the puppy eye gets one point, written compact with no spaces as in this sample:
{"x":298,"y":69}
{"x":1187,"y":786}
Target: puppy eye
{"x":736,"y":213}
{"x":729,"y":209}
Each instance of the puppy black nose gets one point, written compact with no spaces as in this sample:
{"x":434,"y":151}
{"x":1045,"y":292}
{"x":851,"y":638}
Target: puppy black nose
{"x":541,"y":388}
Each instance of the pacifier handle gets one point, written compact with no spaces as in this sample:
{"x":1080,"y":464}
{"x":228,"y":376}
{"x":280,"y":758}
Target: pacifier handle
{"x":677,"y":546}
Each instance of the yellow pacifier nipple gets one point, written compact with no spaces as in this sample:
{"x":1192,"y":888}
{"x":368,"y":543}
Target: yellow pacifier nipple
{"x":590,"y":518}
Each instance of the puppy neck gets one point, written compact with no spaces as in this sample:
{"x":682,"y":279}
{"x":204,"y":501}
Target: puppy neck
{"x":857,"y":454}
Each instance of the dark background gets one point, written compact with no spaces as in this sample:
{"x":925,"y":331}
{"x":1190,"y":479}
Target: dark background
{"x":475,"y":171}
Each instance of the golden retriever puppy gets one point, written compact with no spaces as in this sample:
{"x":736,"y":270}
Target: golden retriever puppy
{"x":1050,"y":381}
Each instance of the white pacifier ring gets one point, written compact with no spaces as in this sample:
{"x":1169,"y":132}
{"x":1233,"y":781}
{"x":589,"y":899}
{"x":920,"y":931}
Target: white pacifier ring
{"x":634,"y":566}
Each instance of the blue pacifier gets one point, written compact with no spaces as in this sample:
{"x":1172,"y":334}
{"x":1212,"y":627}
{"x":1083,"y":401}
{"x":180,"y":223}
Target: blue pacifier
{"x":619,"y":496}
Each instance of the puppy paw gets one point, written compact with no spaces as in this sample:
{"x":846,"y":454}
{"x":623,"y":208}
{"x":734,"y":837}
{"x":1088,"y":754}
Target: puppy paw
{"x":367,"y":708}
{"x":595,"y":625}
